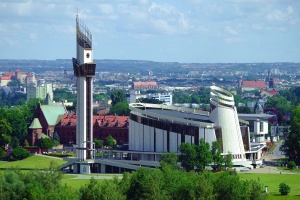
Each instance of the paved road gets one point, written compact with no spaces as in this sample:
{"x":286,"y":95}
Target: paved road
{"x":276,"y":152}
{"x":268,"y":170}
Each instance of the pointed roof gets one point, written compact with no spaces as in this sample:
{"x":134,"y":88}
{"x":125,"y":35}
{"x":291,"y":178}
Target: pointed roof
{"x":48,"y":100}
{"x":53,"y":113}
{"x":35,"y":124}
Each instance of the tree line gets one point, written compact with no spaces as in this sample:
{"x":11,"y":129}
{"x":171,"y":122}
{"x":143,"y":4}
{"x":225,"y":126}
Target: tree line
{"x":145,"y":183}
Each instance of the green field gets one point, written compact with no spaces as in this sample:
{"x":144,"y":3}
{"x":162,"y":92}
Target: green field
{"x":270,"y":180}
{"x":32,"y":162}
{"x":273,"y":181}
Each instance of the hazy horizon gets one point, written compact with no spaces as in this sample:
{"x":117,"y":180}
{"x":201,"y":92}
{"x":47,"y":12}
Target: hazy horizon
{"x":187,"y":31}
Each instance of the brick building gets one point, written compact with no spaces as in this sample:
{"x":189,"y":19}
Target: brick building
{"x":145,"y":85}
{"x":103,"y":126}
{"x":49,"y":119}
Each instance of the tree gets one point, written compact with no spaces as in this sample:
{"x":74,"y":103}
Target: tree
{"x":16,"y":118}
{"x":291,"y":165}
{"x":147,"y":184}
{"x":120,"y":108}
{"x":46,"y":143}
{"x":281,"y":104}
{"x":284,"y":189}
{"x":170,"y":160}
{"x":203,"y":155}
{"x":187,"y":156}
{"x":56,"y":137}
{"x":117,"y":96}
{"x":95,"y":190}
{"x":291,"y":144}
{"x":15,"y":142}
{"x":5,"y":132}
{"x":195,"y":98}
{"x":228,"y":161}
{"x":26,"y":144}
{"x":19,"y":154}
{"x":110,"y":141}
{"x":216,"y":155}
{"x":98,"y":143}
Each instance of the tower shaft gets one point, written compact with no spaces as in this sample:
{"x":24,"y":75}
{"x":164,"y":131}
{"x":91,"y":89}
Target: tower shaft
{"x":84,"y":70}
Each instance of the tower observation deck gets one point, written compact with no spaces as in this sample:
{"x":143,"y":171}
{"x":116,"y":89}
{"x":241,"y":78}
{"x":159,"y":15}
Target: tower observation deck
{"x":84,"y":70}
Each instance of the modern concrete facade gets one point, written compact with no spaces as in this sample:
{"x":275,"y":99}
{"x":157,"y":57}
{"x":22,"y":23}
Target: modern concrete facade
{"x":258,"y":126}
{"x":160,"y":128}
{"x":84,"y":70}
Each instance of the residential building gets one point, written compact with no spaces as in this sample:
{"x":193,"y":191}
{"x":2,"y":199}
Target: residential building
{"x":41,"y":91}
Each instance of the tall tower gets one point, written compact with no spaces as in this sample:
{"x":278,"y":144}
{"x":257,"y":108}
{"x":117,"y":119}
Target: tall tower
{"x":84,"y":70}
{"x":224,"y":114}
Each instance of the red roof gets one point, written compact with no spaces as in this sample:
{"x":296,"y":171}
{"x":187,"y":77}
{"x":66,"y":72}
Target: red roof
{"x":5,"y":77}
{"x":137,"y":84}
{"x":9,"y":74}
{"x":273,"y":92}
{"x":108,"y":121}
{"x":254,"y":84}
{"x":275,"y":80}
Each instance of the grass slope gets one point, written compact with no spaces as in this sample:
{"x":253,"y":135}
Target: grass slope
{"x":273,"y":181}
{"x":30,"y":163}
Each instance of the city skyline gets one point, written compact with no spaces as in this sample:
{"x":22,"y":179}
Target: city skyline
{"x":168,"y":31}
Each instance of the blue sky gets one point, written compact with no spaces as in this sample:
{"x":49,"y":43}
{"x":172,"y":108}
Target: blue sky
{"x":203,"y":31}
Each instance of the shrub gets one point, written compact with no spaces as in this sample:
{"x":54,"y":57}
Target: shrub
{"x":19,"y":154}
{"x":291,"y":165}
{"x":284,"y":189}
{"x":32,"y":147}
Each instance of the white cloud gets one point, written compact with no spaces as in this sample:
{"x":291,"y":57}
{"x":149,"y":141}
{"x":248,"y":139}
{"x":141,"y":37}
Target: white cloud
{"x":230,"y":30}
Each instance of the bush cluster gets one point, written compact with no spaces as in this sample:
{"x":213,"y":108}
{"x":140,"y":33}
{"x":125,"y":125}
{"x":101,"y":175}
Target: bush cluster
{"x":55,"y":154}
{"x":19,"y":154}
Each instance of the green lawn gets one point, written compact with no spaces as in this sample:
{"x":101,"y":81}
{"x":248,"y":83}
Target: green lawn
{"x":273,"y":181}
{"x":33,"y":162}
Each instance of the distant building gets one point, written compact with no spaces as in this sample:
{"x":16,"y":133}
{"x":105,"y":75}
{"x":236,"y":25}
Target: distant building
{"x":145,"y":85}
{"x":166,"y":98}
{"x":30,"y":79}
{"x":258,"y":126}
{"x":134,"y":96}
{"x":268,"y":93}
{"x":4,"y":80}
{"x":34,"y":92}
{"x":253,"y":85}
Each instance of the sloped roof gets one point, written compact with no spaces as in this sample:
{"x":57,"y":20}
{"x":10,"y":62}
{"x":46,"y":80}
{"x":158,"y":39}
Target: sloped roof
{"x":35,"y":124}
{"x":5,"y":77}
{"x":137,"y":84}
{"x":254,"y":84}
{"x":273,"y":92}
{"x":107,"y":121}
{"x":53,"y":113}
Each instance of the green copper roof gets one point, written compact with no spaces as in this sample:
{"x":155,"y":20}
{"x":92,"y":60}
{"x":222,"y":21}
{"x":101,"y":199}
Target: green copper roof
{"x":35,"y":124}
{"x":53,"y":113}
